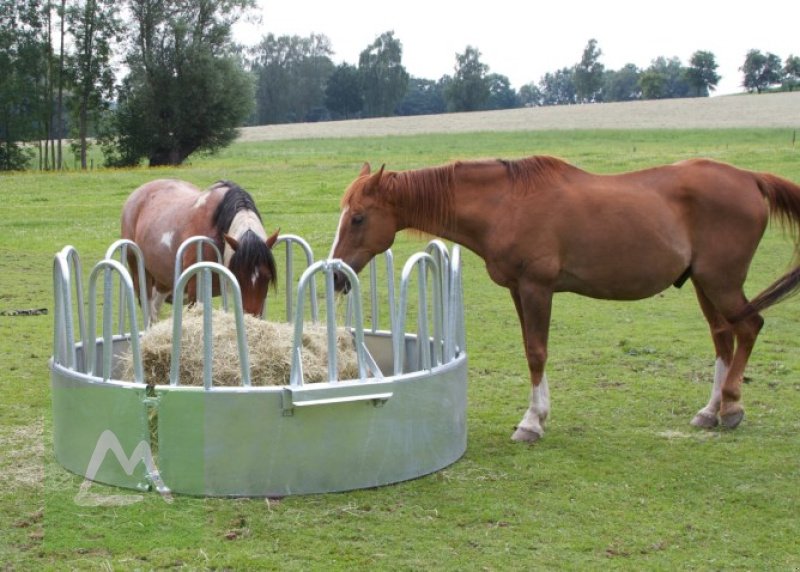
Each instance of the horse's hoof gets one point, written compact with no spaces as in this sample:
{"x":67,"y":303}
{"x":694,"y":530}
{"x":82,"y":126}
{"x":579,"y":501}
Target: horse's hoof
{"x":705,"y":420}
{"x":522,"y":435}
{"x":732,"y":419}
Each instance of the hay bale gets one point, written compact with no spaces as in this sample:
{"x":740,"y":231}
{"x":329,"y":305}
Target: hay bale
{"x":269,"y":344}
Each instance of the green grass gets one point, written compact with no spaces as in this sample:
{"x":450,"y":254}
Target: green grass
{"x":620,"y":480}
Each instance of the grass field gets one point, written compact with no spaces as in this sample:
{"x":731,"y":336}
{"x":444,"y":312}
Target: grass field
{"x":620,"y":480}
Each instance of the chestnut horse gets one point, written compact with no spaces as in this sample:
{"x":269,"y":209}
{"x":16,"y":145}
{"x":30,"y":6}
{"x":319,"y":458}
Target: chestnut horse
{"x":161,"y":214}
{"x":542,"y":226}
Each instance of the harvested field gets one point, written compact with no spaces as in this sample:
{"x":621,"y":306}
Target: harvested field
{"x":740,"y":111}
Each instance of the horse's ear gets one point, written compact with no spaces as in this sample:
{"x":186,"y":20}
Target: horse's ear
{"x":374,"y":182}
{"x":365,"y":170}
{"x":232,"y":242}
{"x":273,"y":238}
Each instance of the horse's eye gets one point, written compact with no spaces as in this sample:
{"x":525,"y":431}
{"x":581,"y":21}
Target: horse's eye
{"x":357,"y":219}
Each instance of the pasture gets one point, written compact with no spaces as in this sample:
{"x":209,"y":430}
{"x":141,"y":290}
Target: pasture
{"x":620,"y":480}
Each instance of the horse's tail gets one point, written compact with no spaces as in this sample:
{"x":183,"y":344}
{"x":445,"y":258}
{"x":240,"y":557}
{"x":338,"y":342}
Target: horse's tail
{"x":783,"y":197}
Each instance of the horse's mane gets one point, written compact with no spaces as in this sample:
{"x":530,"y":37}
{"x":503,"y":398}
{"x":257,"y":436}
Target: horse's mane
{"x":253,"y":250}
{"x":235,"y":200}
{"x":531,"y":172}
{"x":428,"y":194}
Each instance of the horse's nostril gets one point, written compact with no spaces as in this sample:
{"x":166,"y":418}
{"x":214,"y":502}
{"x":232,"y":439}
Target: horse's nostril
{"x":340,"y":282}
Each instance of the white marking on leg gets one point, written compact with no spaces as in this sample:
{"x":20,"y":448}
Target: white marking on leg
{"x":538,"y":410}
{"x":166,"y":238}
{"x":710,"y":411}
{"x":156,"y":301}
{"x":338,"y":231}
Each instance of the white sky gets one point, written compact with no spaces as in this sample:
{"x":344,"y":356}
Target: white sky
{"x":525,"y":39}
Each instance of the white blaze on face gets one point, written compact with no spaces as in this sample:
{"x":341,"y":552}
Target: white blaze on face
{"x":338,"y":231}
{"x":242,"y":222}
{"x":254,"y":277}
{"x":166,"y":238}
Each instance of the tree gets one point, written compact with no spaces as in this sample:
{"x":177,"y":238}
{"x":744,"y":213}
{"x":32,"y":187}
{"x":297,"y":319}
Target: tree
{"x":23,"y":65}
{"x":558,"y":88}
{"x":186,"y":91}
{"x":384,"y":80}
{"x":622,"y":84}
{"x":501,"y":94}
{"x":665,"y":78}
{"x":760,"y":70}
{"x":791,"y":72}
{"x":423,"y":97}
{"x":94,"y":26}
{"x":701,"y":75}
{"x":291,"y":74}
{"x":343,"y":93}
{"x":469,"y":88}
{"x":530,"y":95}
{"x":588,"y":77}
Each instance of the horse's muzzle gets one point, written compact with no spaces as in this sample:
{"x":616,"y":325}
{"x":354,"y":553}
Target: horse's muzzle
{"x":341,"y":283}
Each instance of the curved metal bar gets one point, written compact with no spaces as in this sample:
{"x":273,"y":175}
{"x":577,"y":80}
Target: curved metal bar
{"x":423,"y":262}
{"x":122,"y":245}
{"x":438,"y":250}
{"x":328,"y":267}
{"x":374,"y":303}
{"x":67,"y":264}
{"x":455,"y":343}
{"x":108,"y":267}
{"x":292,"y":239}
{"x":199,"y":241}
{"x":225,"y":276}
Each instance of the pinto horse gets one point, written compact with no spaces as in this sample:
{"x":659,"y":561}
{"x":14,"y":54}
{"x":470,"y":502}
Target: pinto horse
{"x":161,"y":214}
{"x":542,"y":226}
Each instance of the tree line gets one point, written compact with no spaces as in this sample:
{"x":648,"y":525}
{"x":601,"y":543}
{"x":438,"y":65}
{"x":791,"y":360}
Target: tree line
{"x":158,"y":80}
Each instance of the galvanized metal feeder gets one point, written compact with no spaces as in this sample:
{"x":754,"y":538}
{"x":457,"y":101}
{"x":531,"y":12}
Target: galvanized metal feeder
{"x":404,"y":417}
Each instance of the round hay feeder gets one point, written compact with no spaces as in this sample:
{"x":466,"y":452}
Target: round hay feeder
{"x":401,"y":417}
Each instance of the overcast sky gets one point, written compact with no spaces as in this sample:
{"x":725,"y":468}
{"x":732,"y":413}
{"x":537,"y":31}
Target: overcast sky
{"x":525,"y":39}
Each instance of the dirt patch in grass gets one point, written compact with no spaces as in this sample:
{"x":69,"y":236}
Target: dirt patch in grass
{"x":22,"y":455}
{"x":740,"y":111}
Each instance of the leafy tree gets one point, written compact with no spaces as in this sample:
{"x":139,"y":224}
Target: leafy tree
{"x":530,"y":95}
{"x":384,"y":80}
{"x":423,"y":97}
{"x":558,"y":88}
{"x":343,"y":94}
{"x":186,"y":91}
{"x":469,"y":88}
{"x":665,"y":78}
{"x":791,"y":72}
{"x":622,"y":84}
{"x":588,"y":77}
{"x":501,"y":94}
{"x":760,"y":70}
{"x":23,"y":65}
{"x":701,"y":75}
{"x":291,"y":75}
{"x":94,"y":26}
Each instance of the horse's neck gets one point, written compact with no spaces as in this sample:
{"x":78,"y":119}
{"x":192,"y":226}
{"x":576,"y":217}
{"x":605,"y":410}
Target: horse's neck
{"x":243,"y":221}
{"x":469,"y":219}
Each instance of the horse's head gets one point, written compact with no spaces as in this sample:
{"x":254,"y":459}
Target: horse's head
{"x":253,"y":266}
{"x":367,"y":224}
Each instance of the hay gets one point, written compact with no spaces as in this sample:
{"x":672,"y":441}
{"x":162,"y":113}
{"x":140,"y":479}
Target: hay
{"x":269,"y":344}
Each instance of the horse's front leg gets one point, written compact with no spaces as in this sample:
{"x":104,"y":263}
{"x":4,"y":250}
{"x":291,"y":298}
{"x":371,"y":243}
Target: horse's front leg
{"x":533,"y":305}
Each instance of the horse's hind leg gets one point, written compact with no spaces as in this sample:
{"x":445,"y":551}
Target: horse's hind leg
{"x":745,"y":332}
{"x":722,"y":336}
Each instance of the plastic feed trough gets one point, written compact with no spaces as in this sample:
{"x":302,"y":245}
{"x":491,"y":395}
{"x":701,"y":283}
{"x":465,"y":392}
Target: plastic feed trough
{"x":403,"y":417}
